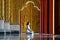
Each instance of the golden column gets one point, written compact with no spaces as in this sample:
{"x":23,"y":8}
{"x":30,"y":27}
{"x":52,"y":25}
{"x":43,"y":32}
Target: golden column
{"x":11,"y":11}
{"x":1,"y":9}
{"x":7,"y":11}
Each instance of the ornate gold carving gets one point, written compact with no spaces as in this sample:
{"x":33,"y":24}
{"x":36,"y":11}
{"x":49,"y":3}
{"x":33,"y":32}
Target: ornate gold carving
{"x":28,"y":3}
{"x":30,"y":13}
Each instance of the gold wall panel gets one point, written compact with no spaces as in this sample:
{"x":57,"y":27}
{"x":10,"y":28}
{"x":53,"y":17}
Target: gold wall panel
{"x":14,"y":9}
{"x":11,"y":10}
{"x":31,"y":14}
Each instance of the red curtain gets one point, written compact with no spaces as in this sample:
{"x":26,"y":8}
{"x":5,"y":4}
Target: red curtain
{"x":46,"y":18}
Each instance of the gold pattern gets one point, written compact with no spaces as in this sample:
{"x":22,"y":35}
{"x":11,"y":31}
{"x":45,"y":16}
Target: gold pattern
{"x":20,"y":11}
{"x":31,"y":14}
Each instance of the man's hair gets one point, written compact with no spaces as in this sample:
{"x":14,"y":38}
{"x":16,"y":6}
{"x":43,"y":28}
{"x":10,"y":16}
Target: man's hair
{"x":27,"y":23}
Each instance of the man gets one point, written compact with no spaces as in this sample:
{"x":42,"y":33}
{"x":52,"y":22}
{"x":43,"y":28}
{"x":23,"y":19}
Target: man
{"x":29,"y":32}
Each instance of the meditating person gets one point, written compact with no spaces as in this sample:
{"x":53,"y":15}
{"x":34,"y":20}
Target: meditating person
{"x":29,"y":32}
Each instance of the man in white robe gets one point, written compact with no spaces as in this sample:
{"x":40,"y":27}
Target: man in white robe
{"x":29,"y":32}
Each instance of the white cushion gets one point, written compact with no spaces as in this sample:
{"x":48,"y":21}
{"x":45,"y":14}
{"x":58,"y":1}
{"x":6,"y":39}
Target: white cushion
{"x":7,"y":25}
{"x":15,"y":27}
{"x":1,"y":24}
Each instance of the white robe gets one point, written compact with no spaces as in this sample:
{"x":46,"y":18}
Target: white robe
{"x":28,"y":30}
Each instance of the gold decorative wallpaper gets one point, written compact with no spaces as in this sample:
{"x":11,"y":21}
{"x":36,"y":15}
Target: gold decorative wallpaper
{"x":21,"y":11}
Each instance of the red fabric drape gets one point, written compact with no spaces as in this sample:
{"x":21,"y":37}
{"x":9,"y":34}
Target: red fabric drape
{"x":51,"y":18}
{"x":46,"y":18}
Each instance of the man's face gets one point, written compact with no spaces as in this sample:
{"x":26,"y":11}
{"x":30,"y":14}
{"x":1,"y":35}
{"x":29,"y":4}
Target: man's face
{"x":29,"y":23}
